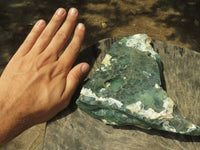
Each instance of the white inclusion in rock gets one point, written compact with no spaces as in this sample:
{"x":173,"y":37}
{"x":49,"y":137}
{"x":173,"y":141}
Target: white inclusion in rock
{"x":135,"y":107}
{"x":167,"y":127}
{"x":107,"y":122}
{"x":148,"y":75}
{"x":114,"y":60}
{"x":157,"y":86}
{"x":106,"y":60}
{"x":113,"y":123}
{"x":110,"y":101}
{"x":125,"y":116}
{"x":120,"y":43}
{"x":191,"y":128}
{"x":142,"y":43}
{"x":103,"y":68}
{"x":102,"y":89}
{"x":106,"y":63}
{"x":138,"y":108}
{"x":104,"y":121}
{"x":107,"y":84}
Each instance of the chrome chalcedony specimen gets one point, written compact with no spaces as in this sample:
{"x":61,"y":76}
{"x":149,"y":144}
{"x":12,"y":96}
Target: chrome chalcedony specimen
{"x":126,"y":90}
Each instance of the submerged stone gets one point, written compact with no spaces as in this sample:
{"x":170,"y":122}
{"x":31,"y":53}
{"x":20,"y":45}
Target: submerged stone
{"x":126,"y":90}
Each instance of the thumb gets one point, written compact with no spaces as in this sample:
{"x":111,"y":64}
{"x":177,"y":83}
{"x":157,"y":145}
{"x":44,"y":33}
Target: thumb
{"x":74,"y":77}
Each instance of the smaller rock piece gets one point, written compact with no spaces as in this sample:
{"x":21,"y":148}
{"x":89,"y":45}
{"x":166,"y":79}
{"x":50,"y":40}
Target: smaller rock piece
{"x":126,"y":90}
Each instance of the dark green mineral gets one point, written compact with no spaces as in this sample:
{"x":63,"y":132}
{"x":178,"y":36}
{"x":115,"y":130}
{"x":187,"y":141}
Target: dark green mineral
{"x":126,"y":90}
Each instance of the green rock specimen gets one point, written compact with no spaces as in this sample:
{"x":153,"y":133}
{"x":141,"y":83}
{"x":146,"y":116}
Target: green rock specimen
{"x":126,"y":90}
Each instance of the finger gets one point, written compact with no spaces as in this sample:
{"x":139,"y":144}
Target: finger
{"x":74,"y":78}
{"x":69,"y":56}
{"x":31,"y":38}
{"x":48,"y":32}
{"x":63,"y":34}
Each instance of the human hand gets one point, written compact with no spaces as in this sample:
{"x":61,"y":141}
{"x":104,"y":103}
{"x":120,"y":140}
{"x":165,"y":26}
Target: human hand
{"x":37,"y":83}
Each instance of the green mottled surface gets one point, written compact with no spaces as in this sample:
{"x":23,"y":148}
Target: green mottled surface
{"x":126,"y":90}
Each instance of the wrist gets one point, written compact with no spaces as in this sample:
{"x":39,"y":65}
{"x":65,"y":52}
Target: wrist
{"x":11,"y":124}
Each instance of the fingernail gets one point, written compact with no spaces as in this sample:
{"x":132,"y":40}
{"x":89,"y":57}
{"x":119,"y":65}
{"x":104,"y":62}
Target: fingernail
{"x":85,"y":68}
{"x":81,"y":26}
{"x":40,"y":23}
{"x":73,"y":11}
{"x":60,"y":12}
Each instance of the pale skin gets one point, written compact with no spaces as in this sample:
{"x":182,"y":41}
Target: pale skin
{"x":38,"y":83}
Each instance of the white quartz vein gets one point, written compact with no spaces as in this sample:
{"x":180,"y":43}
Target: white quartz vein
{"x":142,"y":43}
{"x":106,"y":60}
{"x":110,"y":101}
{"x":191,"y":128}
{"x":167,"y":127}
{"x":138,"y":108}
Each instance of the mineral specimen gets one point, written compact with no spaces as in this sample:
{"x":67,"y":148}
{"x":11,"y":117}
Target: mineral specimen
{"x":126,"y":90}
